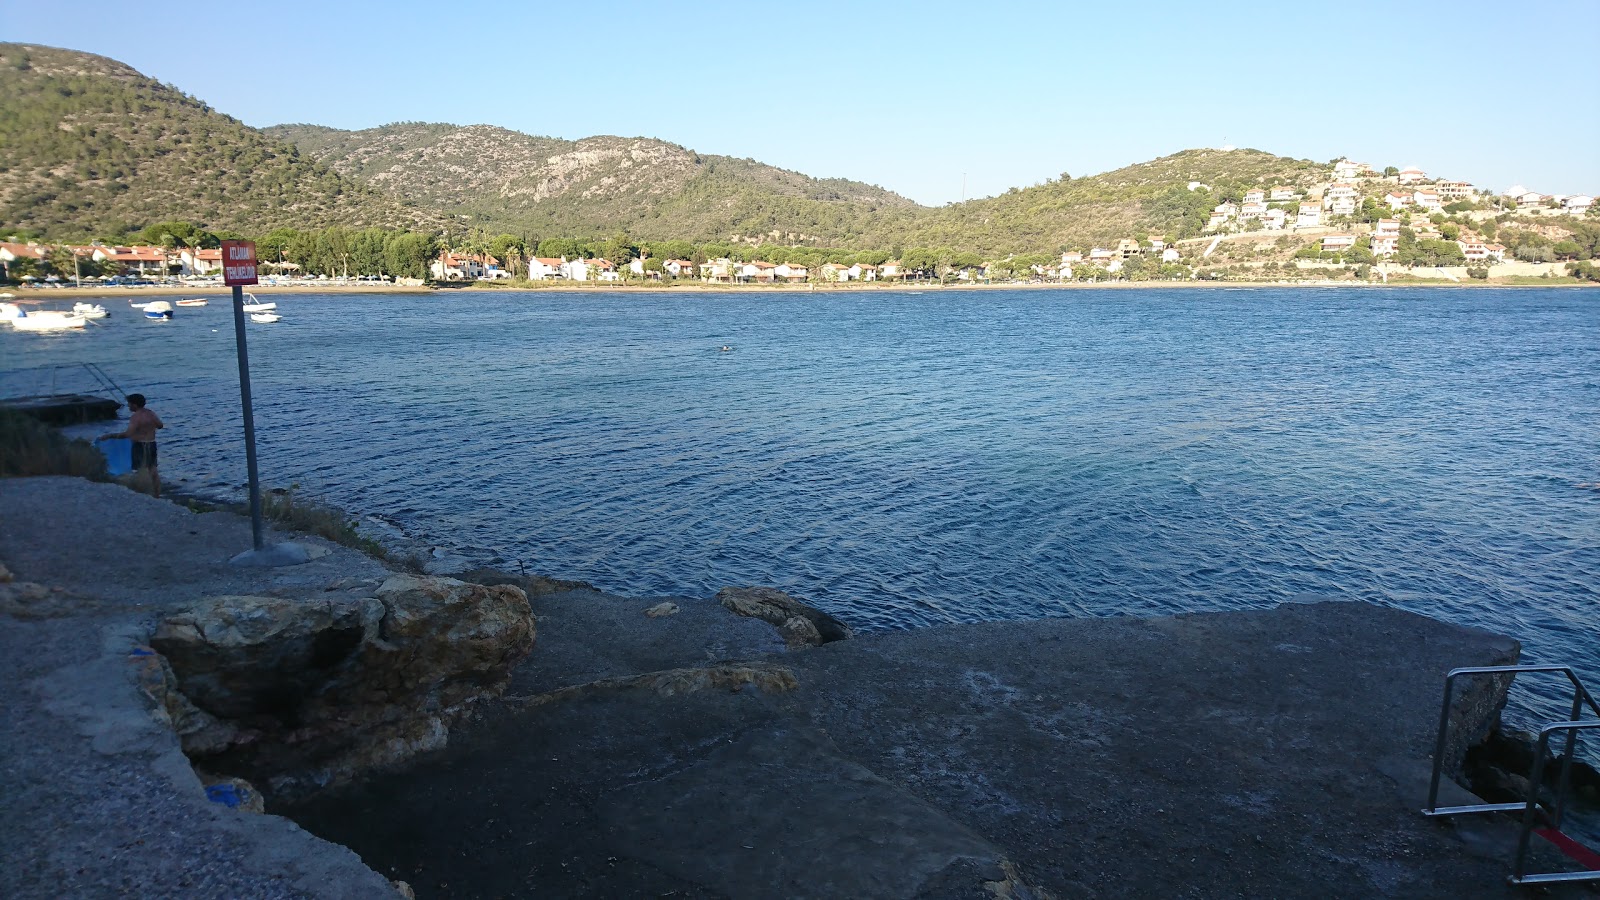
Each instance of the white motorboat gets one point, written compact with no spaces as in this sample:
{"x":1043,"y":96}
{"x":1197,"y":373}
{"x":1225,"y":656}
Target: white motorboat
{"x":47,"y":320}
{"x":9,"y":311}
{"x":158,"y":309}
{"x":252,"y":305}
{"x":265,"y":318}
{"x":90,"y":310}
{"x":198,"y":301}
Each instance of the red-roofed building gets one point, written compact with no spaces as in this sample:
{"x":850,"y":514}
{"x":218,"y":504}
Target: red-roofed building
{"x":542,"y":267}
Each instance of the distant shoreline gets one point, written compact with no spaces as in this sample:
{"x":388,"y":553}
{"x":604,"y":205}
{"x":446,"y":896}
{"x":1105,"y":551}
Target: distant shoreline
{"x":213,"y":292}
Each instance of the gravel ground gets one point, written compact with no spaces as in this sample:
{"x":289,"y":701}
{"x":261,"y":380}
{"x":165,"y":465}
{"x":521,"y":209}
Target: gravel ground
{"x":98,"y":800}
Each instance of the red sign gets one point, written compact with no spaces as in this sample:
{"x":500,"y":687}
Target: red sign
{"x":239,"y":263}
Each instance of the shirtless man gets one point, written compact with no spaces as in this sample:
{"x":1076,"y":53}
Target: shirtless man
{"x":142,"y":425}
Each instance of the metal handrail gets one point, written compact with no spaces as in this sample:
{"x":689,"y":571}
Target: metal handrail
{"x":1580,"y":698}
{"x":1519,"y":868}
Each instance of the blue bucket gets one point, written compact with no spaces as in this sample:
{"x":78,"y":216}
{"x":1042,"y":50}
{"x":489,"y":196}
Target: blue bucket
{"x":119,"y":455}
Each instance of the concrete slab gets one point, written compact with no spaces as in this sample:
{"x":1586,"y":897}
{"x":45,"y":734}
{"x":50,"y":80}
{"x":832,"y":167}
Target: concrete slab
{"x":1270,"y":753}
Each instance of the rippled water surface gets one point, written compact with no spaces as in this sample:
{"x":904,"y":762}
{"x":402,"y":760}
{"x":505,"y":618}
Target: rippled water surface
{"x":912,"y":458}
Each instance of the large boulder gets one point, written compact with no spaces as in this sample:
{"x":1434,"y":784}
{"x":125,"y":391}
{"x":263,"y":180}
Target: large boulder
{"x":293,"y":693}
{"x":800,"y":623}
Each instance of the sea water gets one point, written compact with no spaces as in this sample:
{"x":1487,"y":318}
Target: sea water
{"x":907,"y":459}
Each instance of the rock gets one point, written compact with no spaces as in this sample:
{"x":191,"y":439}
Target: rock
{"x":5,"y":574}
{"x":299,"y":692}
{"x":30,"y":601}
{"x":533,"y":585}
{"x":799,"y":631}
{"x":814,"y":627}
{"x":404,"y":890}
{"x":234,"y":793}
{"x":664,"y":608}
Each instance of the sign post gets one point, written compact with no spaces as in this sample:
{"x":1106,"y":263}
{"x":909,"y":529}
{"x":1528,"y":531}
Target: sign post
{"x":239,"y":269}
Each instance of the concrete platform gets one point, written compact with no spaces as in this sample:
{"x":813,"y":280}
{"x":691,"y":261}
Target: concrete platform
{"x":1280,"y":753}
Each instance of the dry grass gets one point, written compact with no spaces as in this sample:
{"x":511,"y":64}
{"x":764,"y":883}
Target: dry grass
{"x":312,"y":516}
{"x":29,"y":447}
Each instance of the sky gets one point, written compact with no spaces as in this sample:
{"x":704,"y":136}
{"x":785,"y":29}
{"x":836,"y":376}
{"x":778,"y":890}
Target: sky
{"x":936,"y":101}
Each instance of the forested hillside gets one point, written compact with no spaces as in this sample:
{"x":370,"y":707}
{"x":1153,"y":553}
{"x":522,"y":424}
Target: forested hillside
{"x":505,"y":180}
{"x":93,"y":148}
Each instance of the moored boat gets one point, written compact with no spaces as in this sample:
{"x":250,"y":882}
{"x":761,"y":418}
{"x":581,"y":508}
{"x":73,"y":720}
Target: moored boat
{"x":197,"y":301}
{"x":90,"y":310}
{"x":265,"y":318}
{"x":158,"y":309}
{"x":252,"y":305}
{"x":47,"y":320}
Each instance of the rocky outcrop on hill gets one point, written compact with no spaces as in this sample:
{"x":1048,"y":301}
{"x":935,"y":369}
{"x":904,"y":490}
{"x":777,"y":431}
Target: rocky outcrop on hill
{"x":295,"y":693}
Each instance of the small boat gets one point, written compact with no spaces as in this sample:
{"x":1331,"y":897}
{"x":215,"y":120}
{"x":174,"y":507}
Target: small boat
{"x":90,"y":310}
{"x":253,"y":305}
{"x":265,"y":318}
{"x":158,"y":309}
{"x":47,"y":320}
{"x":9,"y":311}
{"x":137,"y":305}
{"x":198,"y":301}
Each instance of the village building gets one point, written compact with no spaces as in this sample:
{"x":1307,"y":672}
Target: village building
{"x":194,"y":261}
{"x":1342,"y":206}
{"x":1387,"y":226}
{"x":1338,"y":243}
{"x":679,"y":268}
{"x":143,"y":259}
{"x":11,"y":252}
{"x":1530,"y":198}
{"x":1171,"y":255}
{"x":892,"y":269}
{"x":1273,"y":219}
{"x":589,"y":270}
{"x":1340,"y":190}
{"x":1578,"y":205}
{"x":1497,"y":252}
{"x":1284,"y":194}
{"x":1451,"y":191}
{"x":1428,"y":200}
{"x":1100,"y":255}
{"x":792,"y":272}
{"x":1251,"y":211}
{"x":543,"y":267}
{"x":1474,"y":251}
{"x":1412,"y":175}
{"x":1310,"y":215}
{"x":1344,"y":170}
{"x":1255,"y":196}
{"x":863,"y":272}
{"x":1157,"y":245}
{"x":1127,"y":248}
{"x":1397,"y":200}
{"x":1070,"y":257}
{"x":720,"y":269}
{"x":756,"y":270}
{"x":1385,"y":245}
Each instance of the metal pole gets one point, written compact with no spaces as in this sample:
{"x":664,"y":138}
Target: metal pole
{"x":249,"y":417}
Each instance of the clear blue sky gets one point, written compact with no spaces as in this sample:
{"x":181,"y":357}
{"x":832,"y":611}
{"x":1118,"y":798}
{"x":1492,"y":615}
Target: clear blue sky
{"x":908,"y":95}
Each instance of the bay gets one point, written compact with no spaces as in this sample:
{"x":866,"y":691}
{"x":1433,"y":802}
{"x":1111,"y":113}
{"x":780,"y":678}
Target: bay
{"x":905,"y":459}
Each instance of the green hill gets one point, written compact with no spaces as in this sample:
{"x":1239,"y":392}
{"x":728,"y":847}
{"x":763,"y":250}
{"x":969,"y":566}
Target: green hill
{"x":92,"y":148}
{"x":504,"y":180}
{"x":1151,"y":197}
